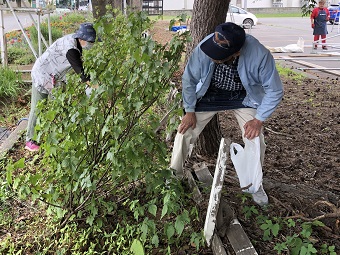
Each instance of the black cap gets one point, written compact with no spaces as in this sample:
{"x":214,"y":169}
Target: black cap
{"x":227,"y":39}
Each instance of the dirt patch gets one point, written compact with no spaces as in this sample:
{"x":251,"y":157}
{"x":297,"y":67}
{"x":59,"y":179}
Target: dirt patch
{"x":301,"y":169}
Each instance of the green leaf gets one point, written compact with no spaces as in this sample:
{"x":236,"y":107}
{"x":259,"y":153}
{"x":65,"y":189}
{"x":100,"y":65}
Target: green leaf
{"x":105,"y":129}
{"x":303,"y":251}
{"x":152,"y":209}
{"x":170,"y":231}
{"x":20,"y":163}
{"x":9,"y":175}
{"x":16,"y":182}
{"x":92,"y":110}
{"x":60,"y":212}
{"x":137,"y":247}
{"x":280,"y":247}
{"x":35,"y":178}
{"x":50,"y":115}
{"x":318,"y":223}
{"x":266,"y":235}
{"x":90,"y":219}
{"x":291,"y":223}
{"x":164,"y":210}
{"x":311,"y":249}
{"x":155,"y":240}
{"x":296,"y":245}
{"x":144,"y":229}
{"x":264,"y":226}
{"x":275,"y":229}
{"x":179,"y":226}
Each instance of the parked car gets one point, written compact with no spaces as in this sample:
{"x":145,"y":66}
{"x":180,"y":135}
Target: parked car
{"x":83,"y":6}
{"x":61,"y":9}
{"x":334,"y":12}
{"x":241,"y":17}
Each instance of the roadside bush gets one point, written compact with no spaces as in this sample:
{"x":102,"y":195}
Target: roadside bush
{"x":69,"y":22}
{"x":20,"y":55}
{"x":10,"y":83}
{"x":60,"y":26}
{"x":55,"y":33}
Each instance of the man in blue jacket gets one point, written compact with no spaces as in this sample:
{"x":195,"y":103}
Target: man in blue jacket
{"x":228,"y":70}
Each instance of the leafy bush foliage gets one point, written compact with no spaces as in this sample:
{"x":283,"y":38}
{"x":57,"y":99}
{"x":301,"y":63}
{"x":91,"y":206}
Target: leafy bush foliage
{"x":103,"y":164}
{"x":10,"y":83}
{"x":20,"y":55}
{"x":69,"y":22}
{"x":55,"y":33}
{"x":300,"y":238}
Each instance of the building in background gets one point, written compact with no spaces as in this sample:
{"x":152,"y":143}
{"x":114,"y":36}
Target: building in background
{"x":171,"y":5}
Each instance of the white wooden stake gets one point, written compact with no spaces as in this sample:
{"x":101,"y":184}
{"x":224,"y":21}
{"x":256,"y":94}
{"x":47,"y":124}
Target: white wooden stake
{"x":215,"y":194}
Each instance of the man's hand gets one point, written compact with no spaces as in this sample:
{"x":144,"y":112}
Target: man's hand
{"x":313,"y":25}
{"x":252,"y":128}
{"x":188,"y":121}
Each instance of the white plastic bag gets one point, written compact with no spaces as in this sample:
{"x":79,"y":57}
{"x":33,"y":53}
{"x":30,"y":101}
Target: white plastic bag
{"x":247,"y":163}
{"x":298,"y":47}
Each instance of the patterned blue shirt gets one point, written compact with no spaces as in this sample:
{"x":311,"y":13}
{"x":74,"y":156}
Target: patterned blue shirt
{"x":226,"y":77}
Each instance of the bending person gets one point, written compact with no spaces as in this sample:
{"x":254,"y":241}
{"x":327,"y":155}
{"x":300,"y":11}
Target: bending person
{"x":228,"y":70}
{"x":49,"y":70}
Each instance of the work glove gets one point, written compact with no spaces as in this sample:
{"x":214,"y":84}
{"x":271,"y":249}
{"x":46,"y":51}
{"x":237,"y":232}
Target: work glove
{"x":312,"y":25}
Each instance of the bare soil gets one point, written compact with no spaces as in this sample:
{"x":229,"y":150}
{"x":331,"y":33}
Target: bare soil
{"x":302,"y":163}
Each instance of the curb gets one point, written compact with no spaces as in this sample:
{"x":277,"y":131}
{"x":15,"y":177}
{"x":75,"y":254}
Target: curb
{"x":9,"y":142}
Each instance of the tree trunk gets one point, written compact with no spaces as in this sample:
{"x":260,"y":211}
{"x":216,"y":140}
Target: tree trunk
{"x":207,"y":14}
{"x":134,"y":5}
{"x":209,"y":140}
{"x":99,"y":6}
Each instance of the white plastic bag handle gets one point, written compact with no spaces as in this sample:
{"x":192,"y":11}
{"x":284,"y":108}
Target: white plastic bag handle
{"x":237,"y":147}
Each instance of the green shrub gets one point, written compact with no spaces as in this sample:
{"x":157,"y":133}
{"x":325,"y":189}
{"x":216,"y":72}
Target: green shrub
{"x":103,"y":165}
{"x":20,"y":55}
{"x":10,"y":83}
{"x":55,"y":32}
{"x":68,"y":22}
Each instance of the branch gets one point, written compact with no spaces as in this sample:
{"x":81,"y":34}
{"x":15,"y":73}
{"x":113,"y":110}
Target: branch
{"x":334,"y":214}
{"x":278,"y":133}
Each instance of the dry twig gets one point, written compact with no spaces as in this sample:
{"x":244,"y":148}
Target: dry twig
{"x":279,"y":133}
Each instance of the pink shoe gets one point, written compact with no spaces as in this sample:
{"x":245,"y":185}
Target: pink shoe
{"x":32,"y":146}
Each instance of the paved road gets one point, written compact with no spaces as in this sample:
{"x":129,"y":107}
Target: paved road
{"x":272,"y":32}
{"x":279,"y":32}
{"x":10,"y":22}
